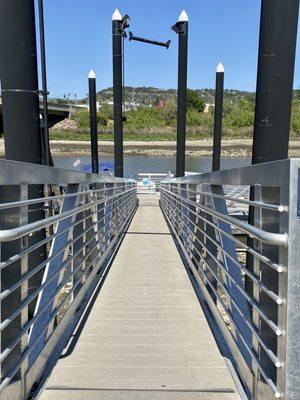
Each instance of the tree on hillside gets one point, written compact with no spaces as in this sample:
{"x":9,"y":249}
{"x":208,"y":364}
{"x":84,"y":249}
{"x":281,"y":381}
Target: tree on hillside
{"x":194,"y":101}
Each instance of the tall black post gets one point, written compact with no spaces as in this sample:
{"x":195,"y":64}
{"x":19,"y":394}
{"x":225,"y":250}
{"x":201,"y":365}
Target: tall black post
{"x":117,"y":32}
{"x":219,"y":93}
{"x":181,"y":27}
{"x":19,"y":81}
{"x":47,"y":155}
{"x":276,"y":62}
{"x":93,"y":122}
{"x":22,"y":138}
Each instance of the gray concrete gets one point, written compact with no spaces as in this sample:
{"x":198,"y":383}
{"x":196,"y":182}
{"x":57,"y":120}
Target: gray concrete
{"x":146,"y":336}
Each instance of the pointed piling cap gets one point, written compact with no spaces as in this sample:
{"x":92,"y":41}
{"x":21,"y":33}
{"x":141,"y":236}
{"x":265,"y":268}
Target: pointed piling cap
{"x":220,"y":68}
{"x":117,"y":15}
{"x":183,"y":17}
{"x":92,"y":74}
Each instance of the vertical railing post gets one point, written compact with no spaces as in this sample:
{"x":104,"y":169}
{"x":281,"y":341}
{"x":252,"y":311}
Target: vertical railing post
{"x":288,"y":377}
{"x":192,"y":221}
{"x":12,"y":218}
{"x":100,"y":187}
{"x":108,"y":214}
{"x":181,"y":27}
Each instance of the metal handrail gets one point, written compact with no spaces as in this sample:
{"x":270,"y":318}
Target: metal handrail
{"x":23,"y":203}
{"x":8,"y":235}
{"x":270,"y":353}
{"x":81,"y":230}
{"x":239,"y":200}
{"x":276,"y":329}
{"x":266,"y":237}
{"x":246,"y":274}
{"x":271,"y":294}
{"x":25,"y":354}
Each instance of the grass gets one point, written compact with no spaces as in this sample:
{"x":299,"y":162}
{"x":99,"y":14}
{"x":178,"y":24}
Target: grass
{"x":151,"y":135}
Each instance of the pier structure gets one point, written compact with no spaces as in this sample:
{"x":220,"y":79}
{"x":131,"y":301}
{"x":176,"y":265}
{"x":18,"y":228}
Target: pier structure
{"x":182,"y":287}
{"x":143,"y":294}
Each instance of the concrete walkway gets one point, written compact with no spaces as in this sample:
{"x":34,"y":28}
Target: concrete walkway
{"x":146,"y":336}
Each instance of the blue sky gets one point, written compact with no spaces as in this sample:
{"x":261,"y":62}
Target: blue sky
{"x":78,"y":38}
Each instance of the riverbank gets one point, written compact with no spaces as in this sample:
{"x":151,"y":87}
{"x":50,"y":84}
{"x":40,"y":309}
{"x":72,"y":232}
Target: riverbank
{"x":196,"y":148}
{"x":199,"y":148}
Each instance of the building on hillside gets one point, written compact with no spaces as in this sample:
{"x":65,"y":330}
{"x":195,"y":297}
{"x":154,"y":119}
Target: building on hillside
{"x":208,"y":107}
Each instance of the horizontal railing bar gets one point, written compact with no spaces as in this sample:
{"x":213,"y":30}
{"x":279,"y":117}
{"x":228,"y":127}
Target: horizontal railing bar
{"x":259,"y":204}
{"x":276,"y":267}
{"x":252,"y":355}
{"x":249,"y":324}
{"x":277,"y":330}
{"x":35,"y":270}
{"x":271,"y":294}
{"x":267,"y":174}
{"x":17,"y":173}
{"x":17,"y":233}
{"x":26,"y":353}
{"x":28,"y":250}
{"x":270,"y":353}
{"x":266,"y":237}
{"x":28,"y":202}
{"x":27,"y":301}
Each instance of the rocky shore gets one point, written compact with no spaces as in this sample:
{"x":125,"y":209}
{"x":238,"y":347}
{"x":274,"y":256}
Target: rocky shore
{"x":198,"y":148}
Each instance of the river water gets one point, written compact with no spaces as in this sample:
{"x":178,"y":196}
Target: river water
{"x":154,"y":164}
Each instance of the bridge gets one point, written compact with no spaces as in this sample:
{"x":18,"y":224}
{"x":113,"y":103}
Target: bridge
{"x":114,"y":294}
{"x":56,"y":111}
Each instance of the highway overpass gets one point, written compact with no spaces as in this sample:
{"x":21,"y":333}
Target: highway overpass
{"x":57,"y":112}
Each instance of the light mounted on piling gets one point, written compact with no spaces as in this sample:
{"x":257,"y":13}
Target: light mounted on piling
{"x":125,"y":21}
{"x":149,"y":41}
{"x":180,"y":26}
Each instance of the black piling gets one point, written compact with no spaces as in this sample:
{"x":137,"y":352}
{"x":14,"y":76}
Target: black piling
{"x":23,"y":142}
{"x":93,"y":122}
{"x":181,"y":28}
{"x":117,"y":34}
{"x":276,"y":63}
{"x":218,"y":118}
{"x":19,"y":81}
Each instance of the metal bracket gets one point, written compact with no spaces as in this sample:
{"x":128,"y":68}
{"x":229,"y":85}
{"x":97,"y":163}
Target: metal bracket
{"x":144,"y":40}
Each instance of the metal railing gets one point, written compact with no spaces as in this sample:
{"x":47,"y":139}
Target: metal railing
{"x":58,"y":232}
{"x":250,"y":283}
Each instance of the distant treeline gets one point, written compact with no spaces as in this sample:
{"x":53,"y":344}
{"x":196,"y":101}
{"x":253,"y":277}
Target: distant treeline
{"x":238,"y":114}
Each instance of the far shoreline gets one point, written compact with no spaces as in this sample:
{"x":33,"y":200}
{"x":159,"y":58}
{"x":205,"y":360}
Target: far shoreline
{"x":194,"y":148}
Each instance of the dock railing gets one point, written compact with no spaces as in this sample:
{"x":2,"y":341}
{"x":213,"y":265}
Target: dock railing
{"x":149,"y":182}
{"x":59,"y":230}
{"x":250,"y":288}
